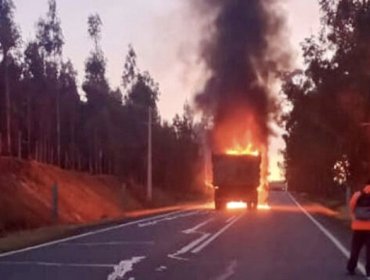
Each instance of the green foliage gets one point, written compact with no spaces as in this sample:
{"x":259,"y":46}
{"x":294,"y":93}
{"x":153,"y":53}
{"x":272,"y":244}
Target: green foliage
{"x":330,"y":100}
{"x":94,"y":28}
{"x":49,"y":32}
{"x":9,"y":34}
{"x":107,"y":132}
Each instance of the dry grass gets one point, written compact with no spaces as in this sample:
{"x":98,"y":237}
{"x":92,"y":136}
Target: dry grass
{"x":26,"y":196}
{"x":84,"y":201}
{"x":27,"y":238}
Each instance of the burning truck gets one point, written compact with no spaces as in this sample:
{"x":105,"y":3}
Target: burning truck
{"x":244,"y":53}
{"x":236,"y":179}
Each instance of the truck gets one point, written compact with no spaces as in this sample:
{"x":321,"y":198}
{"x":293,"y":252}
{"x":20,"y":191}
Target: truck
{"x":236,"y":179}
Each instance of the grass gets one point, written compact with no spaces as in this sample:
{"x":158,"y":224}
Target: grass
{"x":335,"y":204}
{"x":27,"y":238}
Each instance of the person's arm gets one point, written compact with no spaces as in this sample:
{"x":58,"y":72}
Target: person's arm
{"x":352,"y":202}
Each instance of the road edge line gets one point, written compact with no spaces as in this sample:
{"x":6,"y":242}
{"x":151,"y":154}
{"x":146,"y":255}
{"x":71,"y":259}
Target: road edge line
{"x":328,"y":234}
{"x":73,"y":237}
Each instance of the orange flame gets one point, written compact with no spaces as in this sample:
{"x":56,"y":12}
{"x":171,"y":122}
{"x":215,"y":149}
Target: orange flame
{"x":236,"y":205}
{"x":239,"y":150}
{"x":263,"y":207}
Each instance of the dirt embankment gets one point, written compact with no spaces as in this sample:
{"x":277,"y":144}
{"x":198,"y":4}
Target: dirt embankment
{"x":26,"y":196}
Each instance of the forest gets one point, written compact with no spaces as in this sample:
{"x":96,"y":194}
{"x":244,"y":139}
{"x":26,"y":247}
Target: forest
{"x":327,"y":129}
{"x":45,"y":116}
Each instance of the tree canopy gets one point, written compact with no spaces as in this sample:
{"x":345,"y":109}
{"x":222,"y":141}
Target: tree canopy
{"x":330,"y":99}
{"x":94,"y":128}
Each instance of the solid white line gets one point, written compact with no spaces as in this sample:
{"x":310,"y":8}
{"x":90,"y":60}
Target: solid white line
{"x":188,"y":247}
{"x":194,"y":229}
{"x":214,"y":236}
{"x":38,"y":263}
{"x":328,"y":234}
{"x":230,"y":219}
{"x":113,"y":243}
{"x":87,"y":234}
{"x":191,"y":245}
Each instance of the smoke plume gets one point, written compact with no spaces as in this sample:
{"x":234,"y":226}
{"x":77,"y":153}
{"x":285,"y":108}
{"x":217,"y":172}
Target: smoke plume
{"x":243,"y":49}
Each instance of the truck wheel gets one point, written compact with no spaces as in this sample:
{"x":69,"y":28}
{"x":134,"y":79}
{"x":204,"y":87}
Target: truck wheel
{"x":218,"y":205}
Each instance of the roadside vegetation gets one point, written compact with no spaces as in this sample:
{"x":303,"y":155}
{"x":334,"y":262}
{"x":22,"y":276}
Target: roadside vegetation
{"x":327,"y":129}
{"x":45,"y":116}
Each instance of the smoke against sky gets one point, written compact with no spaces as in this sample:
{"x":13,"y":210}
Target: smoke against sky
{"x":242,"y":55}
{"x":164,"y":35}
{"x":159,"y":30}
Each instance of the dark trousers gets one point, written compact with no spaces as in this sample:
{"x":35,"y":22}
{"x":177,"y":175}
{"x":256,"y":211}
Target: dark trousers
{"x":359,"y":239}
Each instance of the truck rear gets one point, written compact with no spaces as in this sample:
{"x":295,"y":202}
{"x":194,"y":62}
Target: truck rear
{"x":236,"y":179}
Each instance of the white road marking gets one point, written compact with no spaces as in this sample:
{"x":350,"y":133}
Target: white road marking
{"x":39,"y":263}
{"x":205,"y":237}
{"x":192,"y":244}
{"x":175,"y":257}
{"x":215,"y":235}
{"x":188,"y":247}
{"x":194,"y":229}
{"x":328,"y":234}
{"x":105,"y":229}
{"x":124,"y":267}
{"x":230,"y":271}
{"x":161,"y":268}
{"x":230,"y":219}
{"x":113,"y":243}
{"x":174,"y":217}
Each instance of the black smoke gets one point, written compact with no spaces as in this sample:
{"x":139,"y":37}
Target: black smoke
{"x":243,"y":51}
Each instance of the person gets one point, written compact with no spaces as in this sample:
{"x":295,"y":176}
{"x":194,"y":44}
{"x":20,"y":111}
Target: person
{"x":359,"y":204}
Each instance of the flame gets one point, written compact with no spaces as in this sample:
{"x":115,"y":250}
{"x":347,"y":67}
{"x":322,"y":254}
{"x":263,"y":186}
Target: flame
{"x":208,"y":184}
{"x":236,"y":205}
{"x":263,"y":207}
{"x":240,"y":150}
{"x":232,"y":205}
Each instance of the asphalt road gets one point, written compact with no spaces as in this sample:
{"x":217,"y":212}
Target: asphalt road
{"x":282,"y":243}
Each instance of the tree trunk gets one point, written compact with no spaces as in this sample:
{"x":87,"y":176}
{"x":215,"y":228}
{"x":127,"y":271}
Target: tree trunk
{"x":58,"y":128}
{"x":29,"y":141}
{"x":7,"y":106}
{"x":19,"y":145}
{"x":72,"y":149}
{"x":37,"y":157}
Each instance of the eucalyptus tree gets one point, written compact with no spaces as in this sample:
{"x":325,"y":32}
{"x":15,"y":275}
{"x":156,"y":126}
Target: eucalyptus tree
{"x":50,"y":39}
{"x":9,"y":40}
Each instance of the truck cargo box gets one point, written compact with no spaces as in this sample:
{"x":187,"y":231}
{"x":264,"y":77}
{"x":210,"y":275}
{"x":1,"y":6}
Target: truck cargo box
{"x":236,"y":178}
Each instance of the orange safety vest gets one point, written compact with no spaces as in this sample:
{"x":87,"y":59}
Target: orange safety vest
{"x":357,"y":224}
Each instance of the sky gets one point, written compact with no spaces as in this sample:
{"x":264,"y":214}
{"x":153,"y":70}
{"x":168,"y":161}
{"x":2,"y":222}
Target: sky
{"x":165,"y":36}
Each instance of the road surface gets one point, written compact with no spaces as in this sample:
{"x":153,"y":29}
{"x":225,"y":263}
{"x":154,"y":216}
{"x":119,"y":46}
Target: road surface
{"x":282,"y":243}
